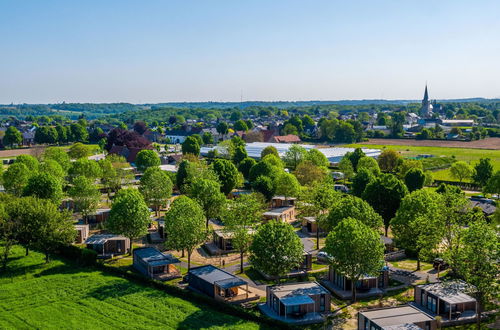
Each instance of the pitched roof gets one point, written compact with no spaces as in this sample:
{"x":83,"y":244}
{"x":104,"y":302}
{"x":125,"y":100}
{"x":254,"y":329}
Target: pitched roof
{"x":290,"y":138}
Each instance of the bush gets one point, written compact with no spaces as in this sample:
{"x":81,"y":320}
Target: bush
{"x":88,"y":257}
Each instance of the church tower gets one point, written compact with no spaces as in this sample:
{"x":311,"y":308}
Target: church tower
{"x":426,"y":110}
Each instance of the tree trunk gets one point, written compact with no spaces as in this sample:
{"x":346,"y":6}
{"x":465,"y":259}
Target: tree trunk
{"x":130,"y":250}
{"x":189,"y":260}
{"x":317,"y":236}
{"x":27,"y":251}
{"x":47,"y":257}
{"x":6,"y":252}
{"x":241,"y":262}
{"x":479,"y":312}
{"x":353,"y":289}
{"x":418,"y":261}
{"x":386,"y":229}
{"x":182,"y":256}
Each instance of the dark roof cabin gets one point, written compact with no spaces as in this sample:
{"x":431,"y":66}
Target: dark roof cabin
{"x":367,"y":286}
{"x":108,"y":245}
{"x":155,"y":264}
{"x":219,"y":284}
{"x":82,"y":233}
{"x":405,"y":317}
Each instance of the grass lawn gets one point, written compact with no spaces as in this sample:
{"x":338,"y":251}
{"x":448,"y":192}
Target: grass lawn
{"x":61,"y":295}
{"x":471,"y":156}
{"x":411,"y":264}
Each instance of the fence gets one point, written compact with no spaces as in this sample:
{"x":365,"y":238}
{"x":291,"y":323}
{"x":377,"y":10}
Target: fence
{"x":396,"y":255}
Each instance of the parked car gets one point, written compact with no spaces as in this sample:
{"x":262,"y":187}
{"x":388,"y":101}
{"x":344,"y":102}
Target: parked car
{"x":324,"y":257}
{"x":439,"y":264}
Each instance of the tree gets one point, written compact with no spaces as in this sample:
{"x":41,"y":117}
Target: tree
{"x":245,"y":165}
{"x":384,"y":194}
{"x":355,"y":157}
{"x":345,"y":166}
{"x":240,"y":153}
{"x":78,"y":133}
{"x":15,"y":178}
{"x":235,"y":116}
{"x":269,"y":150}
{"x":79,"y":150}
{"x":52,"y":167}
{"x":147,"y":158}
{"x":207,"y":193}
{"x":408,"y":164}
{"x":418,"y":224}
{"x":479,"y":266}
{"x":276,"y":249}
{"x":222,"y":128}
{"x":12,"y":136}
{"x":85,"y":195}
{"x":7,"y":235}
{"x":414,"y":179}
{"x":369,"y":164}
{"x":361,"y":180}
{"x":287,"y":185}
{"x":317,"y":158}
{"x":45,"y":186}
{"x":308,"y":173}
{"x":262,"y":169}
{"x":389,"y":160}
{"x":482,"y":171}
{"x":274,"y":161}
{"x":185,"y":226}
{"x":460,"y":170}
{"x":156,"y":187}
{"x":58,"y":155}
{"x":354,"y":207}
{"x":240,"y":125}
{"x":85,"y":167}
{"x":227,"y":174}
{"x":240,"y":219}
{"x":62,"y":133}
{"x":191,"y":146}
{"x":129,"y":215}
{"x":493,"y":185}
{"x":208,"y":138}
{"x":140,"y":127}
{"x":289,"y":129}
{"x":356,"y":251}
{"x":294,"y":155}
{"x":265,"y":186}
{"x":31,"y":162}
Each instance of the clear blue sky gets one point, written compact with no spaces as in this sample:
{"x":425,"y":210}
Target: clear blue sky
{"x":159,"y":51}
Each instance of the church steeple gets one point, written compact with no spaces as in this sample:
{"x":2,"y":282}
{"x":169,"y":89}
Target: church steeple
{"x":426,"y":110}
{"x":426,"y":95}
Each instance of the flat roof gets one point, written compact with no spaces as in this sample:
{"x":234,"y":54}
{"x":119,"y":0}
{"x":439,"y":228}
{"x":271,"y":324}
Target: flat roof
{"x":298,"y":289}
{"x":396,"y":316}
{"x":227,"y":234}
{"x":310,"y":219}
{"x":103,"y":238}
{"x":334,"y":154}
{"x":296,"y":300}
{"x":154,"y":257}
{"x":451,"y":292}
{"x":282,"y":198}
{"x":212,"y":274}
{"x":278,"y":211}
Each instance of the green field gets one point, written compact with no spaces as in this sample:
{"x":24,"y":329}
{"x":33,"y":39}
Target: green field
{"x":470,"y":156}
{"x":64,"y":296}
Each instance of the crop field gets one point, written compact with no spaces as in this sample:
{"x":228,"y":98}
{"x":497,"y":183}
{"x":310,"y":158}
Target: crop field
{"x":469,"y":155}
{"x":34,"y":295}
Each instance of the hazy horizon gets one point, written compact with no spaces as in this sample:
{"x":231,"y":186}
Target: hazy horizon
{"x":200,"y":51}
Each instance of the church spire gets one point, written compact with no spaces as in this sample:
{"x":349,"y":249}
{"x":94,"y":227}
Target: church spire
{"x":426,"y":94}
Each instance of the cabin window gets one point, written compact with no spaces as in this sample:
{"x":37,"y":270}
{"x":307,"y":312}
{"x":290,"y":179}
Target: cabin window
{"x":322,"y":303}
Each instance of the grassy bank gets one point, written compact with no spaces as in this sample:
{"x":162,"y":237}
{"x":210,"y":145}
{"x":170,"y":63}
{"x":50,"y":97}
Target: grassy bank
{"x":63,"y":295}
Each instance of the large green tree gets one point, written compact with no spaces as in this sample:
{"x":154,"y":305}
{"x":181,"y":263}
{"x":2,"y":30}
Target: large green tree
{"x":294,"y":155}
{"x":389,"y":160}
{"x":245,"y":165}
{"x":241,"y":217}
{"x":369,"y":164}
{"x":79,"y":150}
{"x":85,"y":167}
{"x":147,"y":158}
{"x":414,"y":179}
{"x":356,"y":250}
{"x":31,"y":162}
{"x":207,"y":193}
{"x":359,"y":182}
{"x":276,"y":249}
{"x":185,"y":226}
{"x":227,"y":173}
{"x":58,"y":155}
{"x":156,"y":187}
{"x":12,"y":136}
{"x":269,"y":150}
{"x":384,"y":194}
{"x":287,"y":185}
{"x":15,"y":178}
{"x":129,"y":215}
{"x":493,"y":185}
{"x":482,"y":171}
{"x":418,"y":225}
{"x":191,"y":146}
{"x":45,"y":186}
{"x":354,"y":207}
{"x":86,"y":195}
{"x":460,"y":170}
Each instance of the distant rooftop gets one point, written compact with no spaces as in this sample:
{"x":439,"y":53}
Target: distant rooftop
{"x":450,"y":292}
{"x":298,"y":289}
{"x":402,"y":317}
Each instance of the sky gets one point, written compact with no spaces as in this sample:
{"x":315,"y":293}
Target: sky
{"x":225,"y":50}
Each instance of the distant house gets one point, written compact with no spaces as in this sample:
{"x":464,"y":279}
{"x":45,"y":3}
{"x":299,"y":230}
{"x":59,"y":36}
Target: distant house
{"x":310,"y":225}
{"x":367,"y":286}
{"x":219,"y":284}
{"x":457,"y":122}
{"x":297,"y":303}
{"x":179,"y":136}
{"x":446,"y":300}
{"x":82,"y":233}
{"x":486,"y":205}
{"x":222,"y":241}
{"x":401,"y":317}
{"x":99,"y":216}
{"x":28,"y":137}
{"x":108,"y":245}
{"x":130,"y":154}
{"x":290,"y":138}
{"x":155,"y":264}
{"x":280,"y":214}
{"x":282,"y":201}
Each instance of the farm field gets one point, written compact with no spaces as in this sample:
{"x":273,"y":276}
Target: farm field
{"x":63,"y":296}
{"x":470,"y":155}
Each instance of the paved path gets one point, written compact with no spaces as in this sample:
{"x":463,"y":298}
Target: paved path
{"x":412,"y":277}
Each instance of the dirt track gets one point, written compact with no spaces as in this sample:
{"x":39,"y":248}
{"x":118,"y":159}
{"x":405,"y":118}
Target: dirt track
{"x":489,"y":143}
{"x":24,"y":151}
